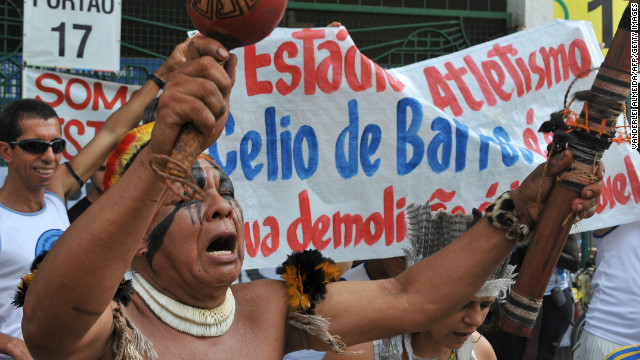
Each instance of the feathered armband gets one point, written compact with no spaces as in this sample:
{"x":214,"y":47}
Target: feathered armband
{"x":306,"y":275}
{"x":21,"y":293}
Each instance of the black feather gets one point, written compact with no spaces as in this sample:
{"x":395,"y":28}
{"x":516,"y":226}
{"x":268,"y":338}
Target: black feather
{"x":38,"y":260}
{"x":18,"y":297}
{"x":307,"y":262}
{"x":555,"y":122}
{"x":21,"y":293}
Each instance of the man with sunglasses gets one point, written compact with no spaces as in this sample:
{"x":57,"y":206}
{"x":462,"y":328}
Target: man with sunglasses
{"x":32,"y":199}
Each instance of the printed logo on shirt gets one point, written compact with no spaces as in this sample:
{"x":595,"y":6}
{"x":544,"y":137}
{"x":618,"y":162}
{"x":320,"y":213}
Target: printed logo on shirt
{"x":631,"y":352}
{"x":46,"y":240}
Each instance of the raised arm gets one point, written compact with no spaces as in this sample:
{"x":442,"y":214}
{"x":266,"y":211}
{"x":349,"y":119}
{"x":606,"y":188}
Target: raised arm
{"x":117,"y":125}
{"x":67,"y":312}
{"x":441,"y":284}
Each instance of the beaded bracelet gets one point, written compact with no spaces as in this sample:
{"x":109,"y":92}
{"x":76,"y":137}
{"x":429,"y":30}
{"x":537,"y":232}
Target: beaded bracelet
{"x":502,"y":215}
{"x":157,"y":80}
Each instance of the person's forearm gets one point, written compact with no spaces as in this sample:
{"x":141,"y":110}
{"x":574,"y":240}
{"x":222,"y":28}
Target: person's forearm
{"x":163,"y":71}
{"x":130,"y":113}
{"x":446,"y":280}
{"x":79,"y":277}
{"x":127,"y":117}
{"x":13,"y":347}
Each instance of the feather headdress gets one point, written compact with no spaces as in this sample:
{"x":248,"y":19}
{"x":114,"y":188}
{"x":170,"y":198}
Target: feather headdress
{"x":428,"y":232}
{"x":124,"y":154}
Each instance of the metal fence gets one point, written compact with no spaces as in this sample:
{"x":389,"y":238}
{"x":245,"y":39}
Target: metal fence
{"x":390,"y":32}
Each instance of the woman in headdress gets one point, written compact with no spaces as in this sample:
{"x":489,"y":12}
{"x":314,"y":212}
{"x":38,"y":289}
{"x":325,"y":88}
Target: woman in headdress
{"x":455,"y":337}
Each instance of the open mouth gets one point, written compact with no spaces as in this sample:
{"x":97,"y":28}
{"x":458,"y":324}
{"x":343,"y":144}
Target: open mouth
{"x":224,"y":245}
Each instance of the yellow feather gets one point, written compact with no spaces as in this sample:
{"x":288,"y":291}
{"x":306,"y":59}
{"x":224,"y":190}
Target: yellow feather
{"x":28,"y":278}
{"x":331,"y":271}
{"x":295,"y":289}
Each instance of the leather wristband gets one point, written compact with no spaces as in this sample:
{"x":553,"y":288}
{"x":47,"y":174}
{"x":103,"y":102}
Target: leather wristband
{"x":156,"y":80}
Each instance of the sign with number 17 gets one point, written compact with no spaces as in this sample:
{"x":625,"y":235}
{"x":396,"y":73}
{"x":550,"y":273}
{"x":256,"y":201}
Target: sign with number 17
{"x":81,"y":34}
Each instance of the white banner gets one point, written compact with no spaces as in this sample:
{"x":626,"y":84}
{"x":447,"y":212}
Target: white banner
{"x":72,"y":34}
{"x":326,"y":148}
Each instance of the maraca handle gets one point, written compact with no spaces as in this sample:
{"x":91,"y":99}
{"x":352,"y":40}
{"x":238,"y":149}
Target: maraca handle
{"x":185,"y":151}
{"x":177,"y":167}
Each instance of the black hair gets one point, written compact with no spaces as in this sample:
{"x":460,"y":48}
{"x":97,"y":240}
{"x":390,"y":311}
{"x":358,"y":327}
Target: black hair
{"x":10,"y":118}
{"x":149,"y":114}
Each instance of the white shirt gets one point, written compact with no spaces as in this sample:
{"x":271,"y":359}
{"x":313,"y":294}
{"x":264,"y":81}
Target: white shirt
{"x":614,"y":311}
{"x":23,"y":236}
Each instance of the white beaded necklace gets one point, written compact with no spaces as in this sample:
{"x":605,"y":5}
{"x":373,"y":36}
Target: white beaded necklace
{"x":188,"y":319}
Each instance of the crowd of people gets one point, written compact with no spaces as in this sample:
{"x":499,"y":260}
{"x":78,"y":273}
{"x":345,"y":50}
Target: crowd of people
{"x":142,"y":273}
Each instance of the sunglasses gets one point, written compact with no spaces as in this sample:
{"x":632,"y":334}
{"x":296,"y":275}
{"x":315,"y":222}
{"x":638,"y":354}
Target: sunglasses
{"x":38,"y":147}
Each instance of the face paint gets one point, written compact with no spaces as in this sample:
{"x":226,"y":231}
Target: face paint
{"x":156,"y":238}
{"x":198,"y":175}
{"x":225,"y":189}
{"x":157,"y":235}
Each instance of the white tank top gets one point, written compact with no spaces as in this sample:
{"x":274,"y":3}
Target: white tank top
{"x":393,"y":348}
{"x":22,"y":237}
